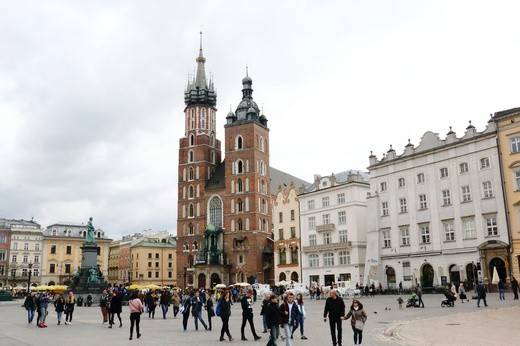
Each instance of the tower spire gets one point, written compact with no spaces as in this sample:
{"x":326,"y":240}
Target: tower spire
{"x":200,"y":80}
{"x":199,"y":90}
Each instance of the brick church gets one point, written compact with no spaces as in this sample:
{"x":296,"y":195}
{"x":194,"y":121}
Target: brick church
{"x":224,"y":206}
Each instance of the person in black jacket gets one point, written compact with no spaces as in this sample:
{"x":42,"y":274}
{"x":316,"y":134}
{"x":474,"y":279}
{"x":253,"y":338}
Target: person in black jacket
{"x":30,"y":305}
{"x":116,"y":305}
{"x":186,"y":306}
{"x":265,"y":302}
{"x":247,"y":314}
{"x":514,"y":287}
{"x":335,"y":309}
{"x":224,"y":304}
{"x":272,"y":317}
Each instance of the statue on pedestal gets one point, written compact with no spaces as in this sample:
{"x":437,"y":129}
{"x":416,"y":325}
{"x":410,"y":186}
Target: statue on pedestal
{"x":91,"y":233}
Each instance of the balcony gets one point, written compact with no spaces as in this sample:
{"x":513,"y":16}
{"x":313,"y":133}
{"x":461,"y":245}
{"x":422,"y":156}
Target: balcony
{"x":327,"y":247}
{"x":325,"y":228}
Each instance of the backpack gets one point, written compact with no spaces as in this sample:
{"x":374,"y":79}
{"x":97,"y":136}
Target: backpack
{"x":217,"y":309}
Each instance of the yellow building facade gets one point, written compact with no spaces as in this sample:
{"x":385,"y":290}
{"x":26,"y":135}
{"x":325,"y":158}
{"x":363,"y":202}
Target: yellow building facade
{"x":508,"y":124}
{"x":113,"y":264}
{"x":62,"y":252}
{"x":153,"y":261}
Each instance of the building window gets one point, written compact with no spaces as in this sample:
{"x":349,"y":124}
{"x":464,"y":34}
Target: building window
{"x":37,"y":247}
{"x":386,"y":239}
{"x":53,"y":249}
{"x":484,"y":163}
{"x":343,"y":236}
{"x":26,"y":246}
{"x":328,"y":259}
{"x":15,"y":246}
{"x":444,"y":173}
{"x":312,"y":222}
{"x":67,"y":268}
{"x":401,"y":182}
{"x":491,"y":225}
{"x":191,"y":156}
{"x":280,"y":217}
{"x":488,"y":189}
{"x":383,"y":186}
{"x":341,"y":198}
{"x":405,"y":236}
{"x":449,"y":231}
{"x":466,"y":194}
{"x":515,"y":144}
{"x":342,"y":217}
{"x":325,"y":202}
{"x":402,"y":205}
{"x":239,"y":143}
{"x":384,"y":208}
{"x":69,"y":250}
{"x":149,"y":275}
{"x":293,"y":232}
{"x":292,"y":215}
{"x":469,"y":228}
{"x":240,"y":167}
{"x":190,"y":173}
{"x":280,"y":234}
{"x":282,"y":256}
{"x":420,"y":178}
{"x":314,"y":261}
{"x":191,"y":192}
{"x":423,"y":204}
{"x":310,"y":205}
{"x":425,"y":234}
{"x":52,"y":268}
{"x":2,"y":270}
{"x":344,"y":257}
{"x":312,"y":240}
{"x":240,"y":206}
{"x":326,"y":219}
{"x":463,"y":168}
{"x":25,"y":259}
{"x":327,"y":238}
{"x":446,"y":197}
{"x":215,"y":211}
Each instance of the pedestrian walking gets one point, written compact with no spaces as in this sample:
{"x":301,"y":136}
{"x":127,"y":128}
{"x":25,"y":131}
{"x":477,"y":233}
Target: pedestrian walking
{"x":103,"y":305}
{"x":462,"y":293}
{"x":419,"y":296}
{"x":209,"y":308}
{"x":290,"y":313}
{"x":400,"y":301}
{"x":501,"y":289}
{"x":30,"y":305}
{"x":70,"y":302}
{"x":185,"y":311}
{"x":43,"y":304}
{"x":165,"y":303}
{"x":301,"y":317}
{"x":358,"y":319}
{"x":152,"y":302}
{"x":197,"y":303}
{"x":272,"y":316}
{"x":136,"y":309}
{"x":266,"y":299}
{"x":514,"y":287}
{"x":335,"y":310}
{"x":116,"y":306}
{"x":481,"y":294}
{"x":247,"y":315}
{"x":224,"y":306}
{"x":176,"y":302}
{"x":59,"y":307}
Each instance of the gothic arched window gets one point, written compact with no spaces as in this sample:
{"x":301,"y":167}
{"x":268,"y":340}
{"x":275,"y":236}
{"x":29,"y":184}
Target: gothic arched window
{"x":215,"y":211}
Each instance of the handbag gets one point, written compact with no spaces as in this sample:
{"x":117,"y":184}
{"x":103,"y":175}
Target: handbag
{"x":211,"y":312}
{"x":181,"y":309}
{"x":359,"y":325}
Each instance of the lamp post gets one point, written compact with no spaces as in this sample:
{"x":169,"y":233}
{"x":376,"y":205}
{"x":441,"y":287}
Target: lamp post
{"x":29,"y":279}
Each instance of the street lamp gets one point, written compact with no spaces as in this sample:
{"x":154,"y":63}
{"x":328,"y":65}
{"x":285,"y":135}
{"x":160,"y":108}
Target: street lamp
{"x":29,"y":279}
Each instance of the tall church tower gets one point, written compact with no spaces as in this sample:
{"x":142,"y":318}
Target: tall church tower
{"x":247,"y":214}
{"x":199,"y":155}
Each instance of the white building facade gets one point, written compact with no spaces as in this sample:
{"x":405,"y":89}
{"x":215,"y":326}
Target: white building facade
{"x":437,"y":212}
{"x":333,"y":221}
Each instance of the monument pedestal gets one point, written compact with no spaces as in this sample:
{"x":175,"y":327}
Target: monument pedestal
{"x":89,"y":278}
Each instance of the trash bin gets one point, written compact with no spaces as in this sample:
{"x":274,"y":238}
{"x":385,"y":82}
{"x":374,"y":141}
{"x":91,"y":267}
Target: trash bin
{"x":79,"y":301}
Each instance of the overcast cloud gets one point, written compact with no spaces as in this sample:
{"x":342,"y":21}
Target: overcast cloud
{"x":91,"y":92}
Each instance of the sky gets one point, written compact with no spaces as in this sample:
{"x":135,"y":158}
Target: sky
{"x":92,"y":92}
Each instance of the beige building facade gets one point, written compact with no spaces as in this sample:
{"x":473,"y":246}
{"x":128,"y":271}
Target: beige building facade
{"x":508,"y":129}
{"x":153,"y":261}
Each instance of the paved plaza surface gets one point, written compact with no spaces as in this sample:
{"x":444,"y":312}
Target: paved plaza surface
{"x":465,"y":324}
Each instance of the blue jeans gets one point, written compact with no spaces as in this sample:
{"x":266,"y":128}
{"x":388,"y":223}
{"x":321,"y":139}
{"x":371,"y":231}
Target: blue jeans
{"x":358,"y":335}
{"x":30,"y":315}
{"x":300,"y":320}
{"x":478,"y":301}
{"x":199,"y":317}
{"x":273,"y":336}
{"x":164,"y":308}
{"x":501,"y":294}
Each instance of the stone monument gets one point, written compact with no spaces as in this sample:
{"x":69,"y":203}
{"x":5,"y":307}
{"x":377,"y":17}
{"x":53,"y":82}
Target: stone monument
{"x":89,"y":278}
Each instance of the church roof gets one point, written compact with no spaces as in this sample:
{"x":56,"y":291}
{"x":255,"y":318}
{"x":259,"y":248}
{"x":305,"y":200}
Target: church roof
{"x":279,"y":178}
{"x":217,"y":181}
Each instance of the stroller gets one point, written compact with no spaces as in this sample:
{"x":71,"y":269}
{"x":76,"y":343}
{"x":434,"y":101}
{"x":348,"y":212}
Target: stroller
{"x":413,"y":301}
{"x":449,"y":301}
